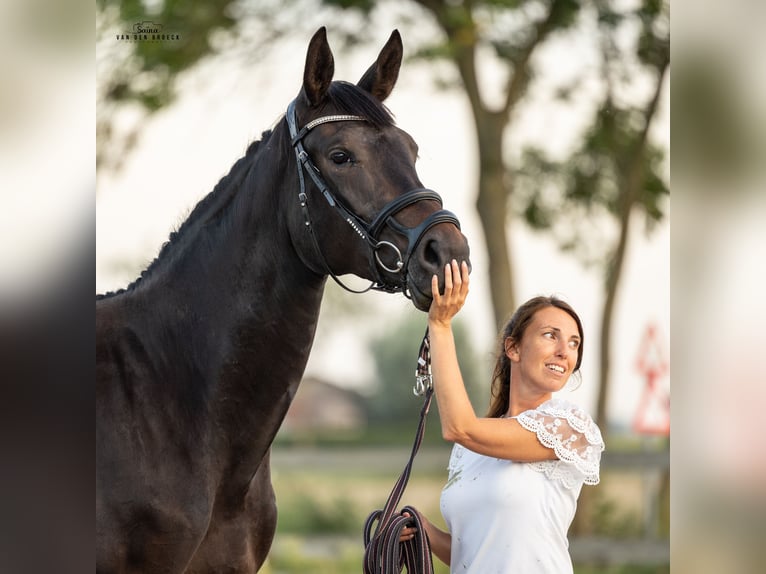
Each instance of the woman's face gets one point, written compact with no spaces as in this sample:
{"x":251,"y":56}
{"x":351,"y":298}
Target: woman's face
{"x":547,"y":354}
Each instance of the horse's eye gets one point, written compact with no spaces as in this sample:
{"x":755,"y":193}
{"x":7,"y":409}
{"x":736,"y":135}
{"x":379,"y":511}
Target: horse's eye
{"x":339,"y":157}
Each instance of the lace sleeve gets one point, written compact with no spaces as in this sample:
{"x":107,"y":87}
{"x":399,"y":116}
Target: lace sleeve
{"x":573,"y":436}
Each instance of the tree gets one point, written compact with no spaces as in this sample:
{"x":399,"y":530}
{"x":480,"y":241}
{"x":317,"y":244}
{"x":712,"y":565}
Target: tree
{"x":513,"y":31}
{"x":141,"y":76}
{"x":614,"y":172}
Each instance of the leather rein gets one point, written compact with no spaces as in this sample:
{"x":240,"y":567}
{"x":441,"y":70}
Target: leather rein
{"x":383,"y":552}
{"x":368,"y":232}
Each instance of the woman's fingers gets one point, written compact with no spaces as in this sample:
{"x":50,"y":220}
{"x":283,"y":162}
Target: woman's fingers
{"x":407,"y":533}
{"x":435,"y":287}
{"x":456,"y":277}
{"x":460,"y":275}
{"x":445,"y":305}
{"x":456,"y":280}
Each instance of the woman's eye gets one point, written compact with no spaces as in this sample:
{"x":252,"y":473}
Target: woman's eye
{"x":548,"y":334}
{"x":339,"y":157}
{"x":574,"y":344}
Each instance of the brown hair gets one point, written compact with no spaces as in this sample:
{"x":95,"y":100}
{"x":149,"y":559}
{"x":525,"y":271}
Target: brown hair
{"x":514,"y":329}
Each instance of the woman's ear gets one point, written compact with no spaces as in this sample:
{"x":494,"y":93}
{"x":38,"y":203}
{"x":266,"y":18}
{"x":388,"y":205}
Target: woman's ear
{"x":511,"y":349}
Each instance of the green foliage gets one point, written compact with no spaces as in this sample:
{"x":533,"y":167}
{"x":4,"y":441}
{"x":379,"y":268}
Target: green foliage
{"x":344,"y":557}
{"x":160,"y":62}
{"x":387,"y":431}
{"x":610,"y":520}
{"x":395,"y":354}
{"x":289,"y":556}
{"x":306,"y":514}
{"x":322,"y":511}
{"x":623,"y":569}
{"x":365,"y":6}
{"x":564,"y":13}
{"x":614,"y":167}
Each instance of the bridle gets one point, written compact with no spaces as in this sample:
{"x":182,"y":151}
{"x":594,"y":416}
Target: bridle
{"x":368,"y":232}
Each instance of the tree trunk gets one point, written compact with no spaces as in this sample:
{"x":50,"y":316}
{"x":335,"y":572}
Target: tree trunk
{"x":613,"y":274}
{"x":492,"y":206}
{"x":457,"y":22}
{"x":630,"y":188}
{"x":631,"y":184}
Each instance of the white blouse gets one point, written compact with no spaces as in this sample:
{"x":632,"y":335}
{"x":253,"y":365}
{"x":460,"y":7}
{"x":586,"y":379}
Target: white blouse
{"x":512,"y":517}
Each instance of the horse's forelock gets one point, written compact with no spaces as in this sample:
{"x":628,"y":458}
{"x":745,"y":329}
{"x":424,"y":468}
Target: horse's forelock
{"x":350,"y":99}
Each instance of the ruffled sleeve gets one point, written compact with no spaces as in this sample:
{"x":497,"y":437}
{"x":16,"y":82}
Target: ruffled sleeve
{"x":573,"y":436}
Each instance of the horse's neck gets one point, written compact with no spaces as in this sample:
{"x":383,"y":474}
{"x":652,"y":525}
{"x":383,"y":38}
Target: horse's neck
{"x":239,"y":307}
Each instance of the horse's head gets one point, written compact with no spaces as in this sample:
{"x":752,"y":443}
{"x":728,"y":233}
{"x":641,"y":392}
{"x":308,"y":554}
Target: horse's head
{"x":364,"y":209}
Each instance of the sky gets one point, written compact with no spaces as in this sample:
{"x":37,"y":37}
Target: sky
{"x":183,"y":151}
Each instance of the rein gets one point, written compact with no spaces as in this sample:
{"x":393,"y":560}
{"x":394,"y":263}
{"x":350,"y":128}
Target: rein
{"x":383,"y":552}
{"x":368,"y":232}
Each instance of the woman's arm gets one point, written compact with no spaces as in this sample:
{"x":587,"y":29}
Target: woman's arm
{"x":501,"y":438}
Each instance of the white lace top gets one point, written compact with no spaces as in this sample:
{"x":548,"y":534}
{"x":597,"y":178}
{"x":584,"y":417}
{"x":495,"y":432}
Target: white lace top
{"x":511,"y":517}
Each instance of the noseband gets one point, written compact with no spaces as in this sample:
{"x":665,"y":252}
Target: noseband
{"x":368,"y":232}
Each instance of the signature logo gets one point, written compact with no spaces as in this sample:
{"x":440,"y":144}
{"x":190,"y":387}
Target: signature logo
{"x":148,"y":31}
{"x":147,"y":27}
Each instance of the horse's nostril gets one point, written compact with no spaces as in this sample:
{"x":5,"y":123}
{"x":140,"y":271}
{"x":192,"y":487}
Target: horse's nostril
{"x":431,"y":253}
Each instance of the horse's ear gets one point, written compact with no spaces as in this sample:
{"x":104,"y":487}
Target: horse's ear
{"x":380,"y":78}
{"x":320,"y":67}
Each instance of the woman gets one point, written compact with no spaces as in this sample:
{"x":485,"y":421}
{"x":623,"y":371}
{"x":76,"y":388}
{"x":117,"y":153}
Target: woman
{"x":514,"y":476}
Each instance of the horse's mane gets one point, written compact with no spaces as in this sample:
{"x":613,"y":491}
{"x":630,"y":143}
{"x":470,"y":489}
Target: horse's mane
{"x":345,"y":97}
{"x":232,"y":180}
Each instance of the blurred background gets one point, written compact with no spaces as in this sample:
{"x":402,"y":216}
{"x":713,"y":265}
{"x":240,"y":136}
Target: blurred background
{"x":544,"y":125}
{"x":546,"y":80}
{"x":161,"y":109}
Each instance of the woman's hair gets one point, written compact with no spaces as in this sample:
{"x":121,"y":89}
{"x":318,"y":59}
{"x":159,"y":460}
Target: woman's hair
{"x":514,"y":329}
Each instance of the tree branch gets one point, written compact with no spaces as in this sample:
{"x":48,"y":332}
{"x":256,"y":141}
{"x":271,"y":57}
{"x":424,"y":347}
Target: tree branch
{"x":519,"y":79}
{"x":460,"y":30}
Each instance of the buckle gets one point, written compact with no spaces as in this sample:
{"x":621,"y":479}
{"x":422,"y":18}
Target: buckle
{"x":422,"y":384}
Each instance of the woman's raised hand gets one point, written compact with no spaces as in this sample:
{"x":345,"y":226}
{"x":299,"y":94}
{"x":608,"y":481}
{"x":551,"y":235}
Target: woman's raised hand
{"x":445,"y":306}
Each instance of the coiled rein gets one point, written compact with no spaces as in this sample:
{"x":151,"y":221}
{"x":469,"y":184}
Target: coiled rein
{"x":383,"y":552}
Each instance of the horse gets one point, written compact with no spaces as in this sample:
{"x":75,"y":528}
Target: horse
{"x":198,"y":359}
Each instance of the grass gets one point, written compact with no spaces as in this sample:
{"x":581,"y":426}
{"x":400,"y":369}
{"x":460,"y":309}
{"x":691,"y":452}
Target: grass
{"x":330,"y":555}
{"x":336,"y":501}
{"x":623,"y":569}
{"x":322,"y":514}
{"x":322,"y":511}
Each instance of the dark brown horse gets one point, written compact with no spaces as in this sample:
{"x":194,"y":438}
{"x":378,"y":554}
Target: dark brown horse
{"x":197,"y":361}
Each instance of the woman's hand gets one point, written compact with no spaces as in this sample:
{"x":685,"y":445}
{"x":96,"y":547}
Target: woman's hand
{"x":407,"y":533}
{"x":445,"y":306}
{"x":440,"y":541}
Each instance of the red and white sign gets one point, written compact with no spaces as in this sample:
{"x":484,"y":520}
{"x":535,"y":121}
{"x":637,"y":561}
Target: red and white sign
{"x":653,"y":412}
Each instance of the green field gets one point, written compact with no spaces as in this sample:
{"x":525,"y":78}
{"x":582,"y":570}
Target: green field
{"x":324,"y":497}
